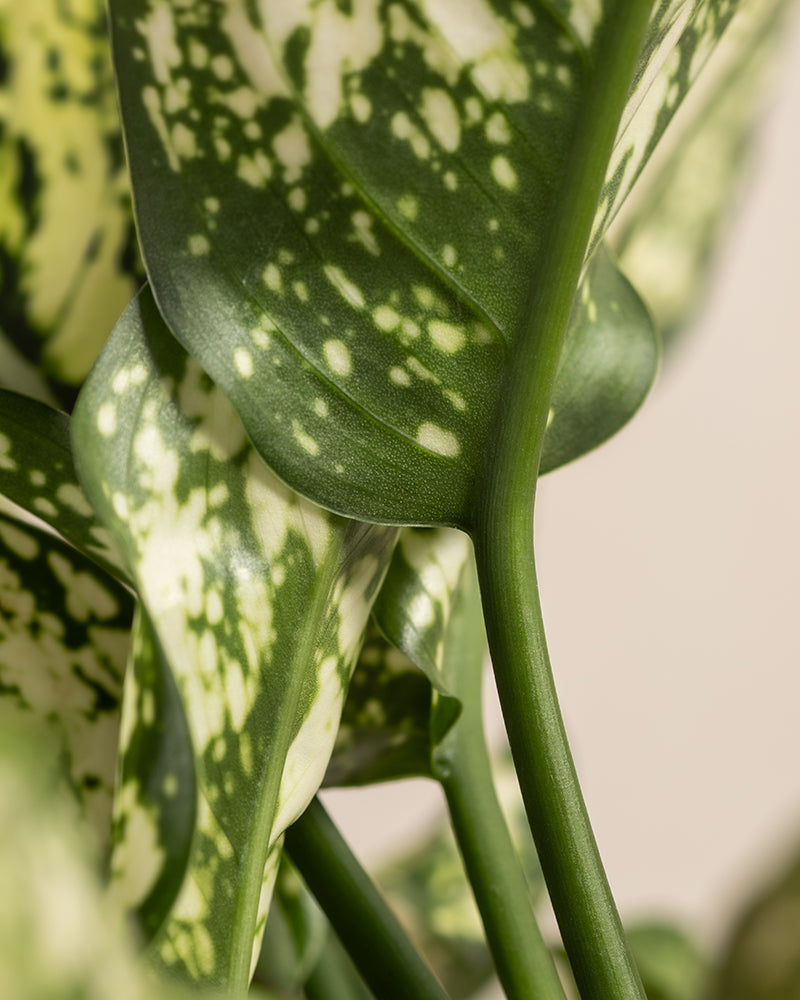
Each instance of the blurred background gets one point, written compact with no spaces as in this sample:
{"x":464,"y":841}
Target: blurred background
{"x":669,"y":564}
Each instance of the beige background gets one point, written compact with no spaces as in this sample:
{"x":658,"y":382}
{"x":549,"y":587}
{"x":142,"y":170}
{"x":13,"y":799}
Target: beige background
{"x":670,"y":571}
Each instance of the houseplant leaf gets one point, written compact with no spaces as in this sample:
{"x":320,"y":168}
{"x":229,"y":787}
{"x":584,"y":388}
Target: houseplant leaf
{"x":257,"y":600}
{"x":348,"y":245}
{"x":61,"y":937}
{"x":668,"y":230}
{"x":37,"y":473}
{"x":68,"y":258}
{"x":398,"y":707}
{"x":64,"y":637}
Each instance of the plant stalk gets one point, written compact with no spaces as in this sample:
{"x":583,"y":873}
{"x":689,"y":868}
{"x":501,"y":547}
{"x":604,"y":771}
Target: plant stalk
{"x":461,"y":764}
{"x":503,"y":535}
{"x":389,"y":963}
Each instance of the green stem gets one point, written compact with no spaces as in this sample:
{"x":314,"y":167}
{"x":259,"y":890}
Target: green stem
{"x":372,"y":935}
{"x":461,"y":764}
{"x":503,"y":537}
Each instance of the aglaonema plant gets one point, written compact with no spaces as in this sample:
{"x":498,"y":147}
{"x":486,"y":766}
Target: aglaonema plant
{"x":296,"y":491}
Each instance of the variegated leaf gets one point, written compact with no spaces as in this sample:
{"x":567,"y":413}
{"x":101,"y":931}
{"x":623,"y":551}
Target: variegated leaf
{"x":361,"y":197}
{"x":155,"y":809}
{"x":38,"y":474}
{"x":61,"y":937}
{"x":385,"y":732}
{"x":257,"y":600}
{"x":68,"y":257}
{"x":398,"y":707}
{"x":668,"y":230}
{"x":64,"y":637}
{"x":683,"y":33}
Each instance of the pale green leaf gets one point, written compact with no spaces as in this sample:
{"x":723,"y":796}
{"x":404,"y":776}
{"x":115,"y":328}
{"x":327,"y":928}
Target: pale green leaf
{"x":398,"y":707}
{"x":68,"y":258}
{"x":683,"y":34}
{"x":155,"y":808}
{"x":669,"y":960}
{"x":345,"y":208}
{"x":64,"y":637}
{"x":668,"y":230}
{"x":38,"y":474}
{"x":385,"y":732}
{"x":257,"y":600}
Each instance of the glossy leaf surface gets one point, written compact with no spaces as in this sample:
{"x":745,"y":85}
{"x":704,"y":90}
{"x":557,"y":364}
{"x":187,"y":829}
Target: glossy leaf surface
{"x":37,"y":473}
{"x":64,"y":638}
{"x":257,"y":601}
{"x":68,"y":258}
{"x":344,"y":210}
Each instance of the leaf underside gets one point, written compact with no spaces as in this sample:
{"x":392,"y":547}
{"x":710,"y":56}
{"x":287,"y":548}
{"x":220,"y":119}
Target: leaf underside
{"x":344,"y":211}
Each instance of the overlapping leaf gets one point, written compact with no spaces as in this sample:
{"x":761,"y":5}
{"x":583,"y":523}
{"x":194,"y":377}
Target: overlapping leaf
{"x":64,"y":637}
{"x":257,"y":601}
{"x":38,"y":474}
{"x":344,"y":208}
{"x":68,"y":259}
{"x":60,"y":935}
{"x":668,"y":230}
{"x":398,"y":707}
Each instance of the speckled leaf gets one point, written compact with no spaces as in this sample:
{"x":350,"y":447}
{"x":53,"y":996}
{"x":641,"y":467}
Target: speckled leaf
{"x":398,"y":707}
{"x":60,"y":936}
{"x":68,"y":258}
{"x":258,"y":601}
{"x":682,"y":35}
{"x":64,"y":638}
{"x":359,"y":196}
{"x":385,"y":732}
{"x":667,"y":232}
{"x":38,"y":474}
{"x":155,"y":807}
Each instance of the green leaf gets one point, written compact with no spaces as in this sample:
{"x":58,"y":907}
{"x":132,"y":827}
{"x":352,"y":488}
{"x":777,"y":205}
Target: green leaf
{"x":385,"y":732}
{"x":670,"y":963}
{"x":155,"y":808}
{"x":37,"y":473}
{"x":61,"y":938}
{"x":257,"y":600}
{"x":682,"y":35}
{"x":68,"y":258}
{"x":296,"y":934}
{"x":345,"y":210}
{"x":64,"y":637}
{"x":668,"y":231}
{"x":398,"y":707}
{"x":609,"y":360}
{"x":761,"y":958}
